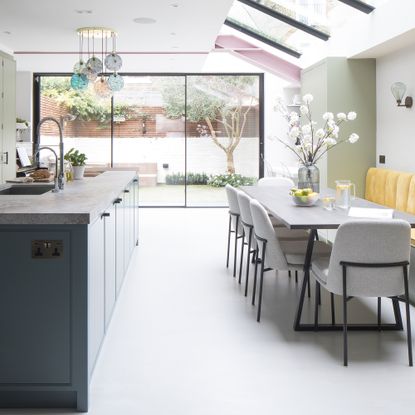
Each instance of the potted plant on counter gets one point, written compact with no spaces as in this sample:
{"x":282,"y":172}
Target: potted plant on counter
{"x":77,"y":161}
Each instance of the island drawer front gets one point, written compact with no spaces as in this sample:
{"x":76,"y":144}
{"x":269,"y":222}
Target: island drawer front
{"x":35,"y":311}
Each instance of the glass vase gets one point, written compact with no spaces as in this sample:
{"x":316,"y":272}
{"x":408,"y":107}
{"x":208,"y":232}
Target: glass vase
{"x":309,"y":177}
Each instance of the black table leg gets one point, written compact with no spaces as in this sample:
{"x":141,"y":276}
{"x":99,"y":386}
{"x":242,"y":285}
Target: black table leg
{"x":306,"y":279}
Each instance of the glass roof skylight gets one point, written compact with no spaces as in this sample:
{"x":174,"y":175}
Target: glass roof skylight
{"x":293,"y":25}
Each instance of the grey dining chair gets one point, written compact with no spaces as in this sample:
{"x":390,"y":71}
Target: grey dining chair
{"x":275,"y":181}
{"x":276,"y":254}
{"x":234,"y":226}
{"x":370,"y":258}
{"x":248,"y":225}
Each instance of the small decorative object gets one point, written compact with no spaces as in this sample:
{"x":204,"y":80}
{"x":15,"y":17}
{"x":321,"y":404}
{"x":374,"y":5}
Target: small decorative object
{"x":310,"y":143}
{"x":304,"y":197}
{"x":68,"y":171}
{"x":398,"y":91}
{"x":92,"y":69}
{"x":77,"y":161}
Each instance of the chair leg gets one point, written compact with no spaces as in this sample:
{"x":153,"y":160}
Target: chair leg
{"x":379,"y":313}
{"x":261,"y":282}
{"x":247,"y":261}
{"x":316,"y":304}
{"x":236,"y":246}
{"x":408,"y":316}
{"x":242,"y":256}
{"x":289,"y":274}
{"x":319,"y":294}
{"x":255,"y":276}
{"x":229,"y":241}
{"x":296,"y":277}
{"x":345,"y":354}
{"x":333,"y":316}
{"x":308,"y":287}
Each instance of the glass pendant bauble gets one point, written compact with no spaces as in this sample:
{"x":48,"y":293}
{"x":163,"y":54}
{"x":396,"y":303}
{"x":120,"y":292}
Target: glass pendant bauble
{"x":113,"y":62}
{"x":90,"y":73}
{"x":79,"y":66}
{"x":102,"y":88}
{"x":95,"y":64}
{"x":115,"y":82}
{"x":79,"y":81}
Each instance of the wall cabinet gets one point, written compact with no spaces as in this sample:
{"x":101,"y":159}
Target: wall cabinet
{"x":7,"y":117}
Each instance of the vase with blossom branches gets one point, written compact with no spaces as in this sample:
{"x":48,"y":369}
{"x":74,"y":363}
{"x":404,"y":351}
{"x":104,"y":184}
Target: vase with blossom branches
{"x":309,"y":143}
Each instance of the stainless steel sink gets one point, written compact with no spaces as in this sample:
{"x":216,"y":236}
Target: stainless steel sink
{"x":27,"y":189}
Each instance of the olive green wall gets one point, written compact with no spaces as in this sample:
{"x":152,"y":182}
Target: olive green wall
{"x":343,"y":85}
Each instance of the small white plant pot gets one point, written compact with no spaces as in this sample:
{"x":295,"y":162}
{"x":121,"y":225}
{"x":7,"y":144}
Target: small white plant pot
{"x":78,"y":172}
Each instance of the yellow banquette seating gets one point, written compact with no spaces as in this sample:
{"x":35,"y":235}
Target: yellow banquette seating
{"x":392,"y":188}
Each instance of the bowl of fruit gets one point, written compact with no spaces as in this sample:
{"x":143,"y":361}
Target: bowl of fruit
{"x":304,"y":197}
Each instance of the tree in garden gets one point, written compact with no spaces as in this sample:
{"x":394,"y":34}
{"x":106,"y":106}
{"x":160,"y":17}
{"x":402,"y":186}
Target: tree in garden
{"x":222,"y":100}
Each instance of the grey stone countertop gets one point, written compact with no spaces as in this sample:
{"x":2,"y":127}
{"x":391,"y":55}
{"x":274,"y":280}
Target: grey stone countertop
{"x":81,"y":201}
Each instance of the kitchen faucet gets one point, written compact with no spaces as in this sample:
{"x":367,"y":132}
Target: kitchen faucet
{"x":60,"y":125}
{"x":56,"y":188}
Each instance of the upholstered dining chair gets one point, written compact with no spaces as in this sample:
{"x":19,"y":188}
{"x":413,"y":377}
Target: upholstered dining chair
{"x":370,"y":258}
{"x":235,"y":226}
{"x":275,"y":181}
{"x":248,"y":225}
{"x":276,"y":254}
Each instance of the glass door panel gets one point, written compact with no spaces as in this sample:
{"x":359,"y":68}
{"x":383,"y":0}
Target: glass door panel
{"x":149,"y":136}
{"x":222,"y":135}
{"x":89,"y":131}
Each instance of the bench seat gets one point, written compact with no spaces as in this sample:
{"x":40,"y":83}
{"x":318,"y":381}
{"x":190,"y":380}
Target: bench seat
{"x":393,"y":189}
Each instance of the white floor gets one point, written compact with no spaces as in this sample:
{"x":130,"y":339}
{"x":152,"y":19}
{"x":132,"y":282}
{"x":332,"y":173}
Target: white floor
{"x":184,"y":340}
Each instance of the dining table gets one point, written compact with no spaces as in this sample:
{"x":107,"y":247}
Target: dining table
{"x":279,"y":203}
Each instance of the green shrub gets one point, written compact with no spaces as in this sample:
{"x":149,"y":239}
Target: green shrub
{"x":192,"y":178}
{"x":236,"y":180}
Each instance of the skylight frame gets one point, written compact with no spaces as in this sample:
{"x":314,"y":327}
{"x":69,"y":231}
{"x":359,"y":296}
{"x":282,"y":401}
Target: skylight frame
{"x":286,"y":19}
{"x":359,"y":5}
{"x":247,"y":31}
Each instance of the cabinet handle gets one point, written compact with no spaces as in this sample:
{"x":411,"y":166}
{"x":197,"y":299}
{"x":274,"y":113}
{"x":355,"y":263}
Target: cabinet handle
{"x":126,"y":191}
{"x":135,"y":180}
{"x":105,"y":215}
{"x":118,"y":200}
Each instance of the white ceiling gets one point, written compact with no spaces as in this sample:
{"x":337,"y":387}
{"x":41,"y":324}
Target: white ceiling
{"x":50,"y":26}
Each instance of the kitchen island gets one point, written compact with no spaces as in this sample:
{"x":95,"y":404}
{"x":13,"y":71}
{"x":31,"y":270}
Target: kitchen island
{"x":63,"y":260}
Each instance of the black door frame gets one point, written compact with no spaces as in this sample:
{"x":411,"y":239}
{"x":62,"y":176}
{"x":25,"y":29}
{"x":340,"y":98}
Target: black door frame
{"x":260,"y":75}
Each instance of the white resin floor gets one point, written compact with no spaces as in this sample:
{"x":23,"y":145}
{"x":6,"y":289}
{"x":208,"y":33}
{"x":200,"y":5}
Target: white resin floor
{"x":184,"y":340}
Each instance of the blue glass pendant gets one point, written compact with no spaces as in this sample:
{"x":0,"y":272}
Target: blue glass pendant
{"x":113,"y":62}
{"x":94,"y":64}
{"x":115,"y":82}
{"x":79,"y":81}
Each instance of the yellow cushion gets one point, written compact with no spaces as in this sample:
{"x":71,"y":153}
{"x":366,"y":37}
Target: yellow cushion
{"x":402,"y":193}
{"x":393,"y":189}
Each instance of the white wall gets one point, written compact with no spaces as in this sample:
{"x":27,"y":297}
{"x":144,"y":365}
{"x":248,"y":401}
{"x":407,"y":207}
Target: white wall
{"x":395,"y":126}
{"x":24,"y":99}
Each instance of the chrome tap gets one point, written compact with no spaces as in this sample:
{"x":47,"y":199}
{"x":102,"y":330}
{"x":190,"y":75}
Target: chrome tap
{"x":57,"y":188}
{"x":60,"y":125}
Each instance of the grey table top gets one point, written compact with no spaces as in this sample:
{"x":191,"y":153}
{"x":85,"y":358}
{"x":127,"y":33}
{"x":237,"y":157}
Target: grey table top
{"x":81,"y":202}
{"x":279,"y":203}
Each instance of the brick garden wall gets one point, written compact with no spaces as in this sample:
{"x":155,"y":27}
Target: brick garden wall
{"x":156,"y":124}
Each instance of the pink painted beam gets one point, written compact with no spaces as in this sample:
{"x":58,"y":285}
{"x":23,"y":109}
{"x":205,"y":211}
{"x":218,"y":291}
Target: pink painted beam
{"x":259,"y":57}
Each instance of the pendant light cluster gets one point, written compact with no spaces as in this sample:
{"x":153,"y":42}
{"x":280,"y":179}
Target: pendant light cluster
{"x":90,"y":66}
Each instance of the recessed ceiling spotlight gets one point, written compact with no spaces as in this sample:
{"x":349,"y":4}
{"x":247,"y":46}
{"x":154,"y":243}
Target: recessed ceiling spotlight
{"x":173,"y":33}
{"x":175,"y":47}
{"x":174,"y":5}
{"x":144,"y":20}
{"x":83,"y":11}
